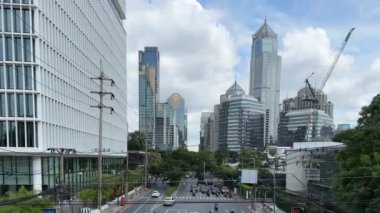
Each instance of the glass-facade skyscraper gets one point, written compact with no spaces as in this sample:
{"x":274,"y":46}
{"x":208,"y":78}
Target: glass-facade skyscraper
{"x":149,"y":84}
{"x":265,"y":76}
{"x":177,"y":103}
{"x":171,"y":124}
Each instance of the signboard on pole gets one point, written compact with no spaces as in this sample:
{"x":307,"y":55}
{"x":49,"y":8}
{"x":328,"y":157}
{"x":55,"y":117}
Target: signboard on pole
{"x":249,"y":176}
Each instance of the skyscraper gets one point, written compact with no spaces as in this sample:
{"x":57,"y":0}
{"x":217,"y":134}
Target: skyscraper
{"x":265,"y":76}
{"x":241,"y":120}
{"x":49,"y":51}
{"x":171,"y":124}
{"x":204,"y":119}
{"x":149,"y":84}
{"x":177,"y":103}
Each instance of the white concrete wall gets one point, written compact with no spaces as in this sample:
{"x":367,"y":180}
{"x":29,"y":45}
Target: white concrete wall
{"x":295,"y":172}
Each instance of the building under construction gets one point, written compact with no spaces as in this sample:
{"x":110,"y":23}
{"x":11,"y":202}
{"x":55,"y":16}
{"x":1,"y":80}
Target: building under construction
{"x":303,"y":119}
{"x":309,"y":116}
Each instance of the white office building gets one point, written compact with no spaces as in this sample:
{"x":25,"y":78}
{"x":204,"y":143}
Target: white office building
{"x":49,"y":53}
{"x":242,"y":122}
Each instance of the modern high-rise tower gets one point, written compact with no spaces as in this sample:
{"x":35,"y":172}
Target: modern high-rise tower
{"x":265,"y":76}
{"x":149,"y":84}
{"x":49,"y":53}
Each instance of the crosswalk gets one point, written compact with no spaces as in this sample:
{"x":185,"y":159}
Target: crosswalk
{"x":204,"y":198}
{"x":197,"y":198}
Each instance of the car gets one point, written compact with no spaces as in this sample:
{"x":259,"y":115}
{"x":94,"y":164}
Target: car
{"x":155,"y":194}
{"x":169,"y":201}
{"x":204,"y":190}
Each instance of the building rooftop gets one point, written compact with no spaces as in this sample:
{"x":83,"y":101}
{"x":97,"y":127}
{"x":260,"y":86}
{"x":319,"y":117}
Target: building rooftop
{"x":235,"y":89}
{"x":265,"y":31}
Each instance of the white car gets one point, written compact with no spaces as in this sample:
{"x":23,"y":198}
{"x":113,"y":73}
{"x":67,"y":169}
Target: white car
{"x":169,"y":201}
{"x":155,"y":194}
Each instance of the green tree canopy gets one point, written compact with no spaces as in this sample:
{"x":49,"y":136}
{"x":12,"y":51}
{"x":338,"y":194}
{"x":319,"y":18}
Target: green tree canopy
{"x":137,"y":141}
{"x":357,"y":184}
{"x":33,"y":205}
{"x":252,"y":158}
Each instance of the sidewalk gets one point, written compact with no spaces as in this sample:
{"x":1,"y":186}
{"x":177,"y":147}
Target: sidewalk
{"x":113,"y":206}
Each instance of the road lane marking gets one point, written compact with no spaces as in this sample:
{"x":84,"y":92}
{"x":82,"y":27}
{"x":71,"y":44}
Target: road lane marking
{"x":140,"y":206}
{"x":156,"y":204}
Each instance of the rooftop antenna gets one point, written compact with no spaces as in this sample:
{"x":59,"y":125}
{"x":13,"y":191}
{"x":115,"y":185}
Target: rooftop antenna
{"x":235,"y":76}
{"x":265,"y":15}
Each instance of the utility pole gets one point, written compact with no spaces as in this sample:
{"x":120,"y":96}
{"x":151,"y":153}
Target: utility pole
{"x":204,"y":171}
{"x":126,"y":178}
{"x":101,"y":94}
{"x":146,"y":163}
{"x":274,"y":184}
{"x":62,"y":187}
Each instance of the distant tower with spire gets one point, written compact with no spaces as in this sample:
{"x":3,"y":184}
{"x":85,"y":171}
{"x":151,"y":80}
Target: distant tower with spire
{"x":265,"y":74}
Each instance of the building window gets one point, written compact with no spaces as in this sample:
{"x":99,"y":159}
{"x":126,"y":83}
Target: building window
{"x":19,"y":78}
{"x":17,"y":21}
{"x":2,"y":77}
{"x":20,"y":105}
{"x":8,"y":49}
{"x":21,"y":133}
{"x":26,"y":21}
{"x":29,"y":105}
{"x":27,"y":50}
{"x":11,"y":105}
{"x":3,"y":134}
{"x":28,"y":78}
{"x":18,"y":49}
{"x":1,"y":44}
{"x":10,"y":77}
{"x":12,"y":134}
{"x":2,"y":105}
{"x":34,"y":78}
{"x":30,"y":133}
{"x":7,"y":20}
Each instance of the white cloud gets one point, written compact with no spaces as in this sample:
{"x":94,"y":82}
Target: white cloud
{"x":197,"y":54}
{"x":199,"y":50}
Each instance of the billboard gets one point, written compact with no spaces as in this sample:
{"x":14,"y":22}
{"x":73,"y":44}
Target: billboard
{"x":249,"y":176}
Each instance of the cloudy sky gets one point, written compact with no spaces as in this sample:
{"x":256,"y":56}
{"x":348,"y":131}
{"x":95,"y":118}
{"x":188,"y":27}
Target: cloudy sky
{"x":204,"y":44}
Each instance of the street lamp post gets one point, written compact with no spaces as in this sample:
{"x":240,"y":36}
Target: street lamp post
{"x":274,"y":182}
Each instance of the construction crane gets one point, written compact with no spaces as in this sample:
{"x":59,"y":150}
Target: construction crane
{"x":315,"y":102}
{"x":336,"y":58}
{"x":308,"y":86}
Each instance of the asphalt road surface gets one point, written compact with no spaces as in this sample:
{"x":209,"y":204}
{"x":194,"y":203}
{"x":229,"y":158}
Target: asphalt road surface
{"x":186,"y":202}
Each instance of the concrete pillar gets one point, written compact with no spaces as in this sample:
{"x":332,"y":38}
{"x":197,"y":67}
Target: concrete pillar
{"x":37,"y":175}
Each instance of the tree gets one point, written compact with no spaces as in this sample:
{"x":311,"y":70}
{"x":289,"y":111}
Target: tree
{"x":32,"y":205}
{"x":252,"y":158}
{"x":357,"y":184}
{"x":137,"y":141}
{"x":155,"y":161}
{"x":222,"y":155}
{"x":111,"y":187}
